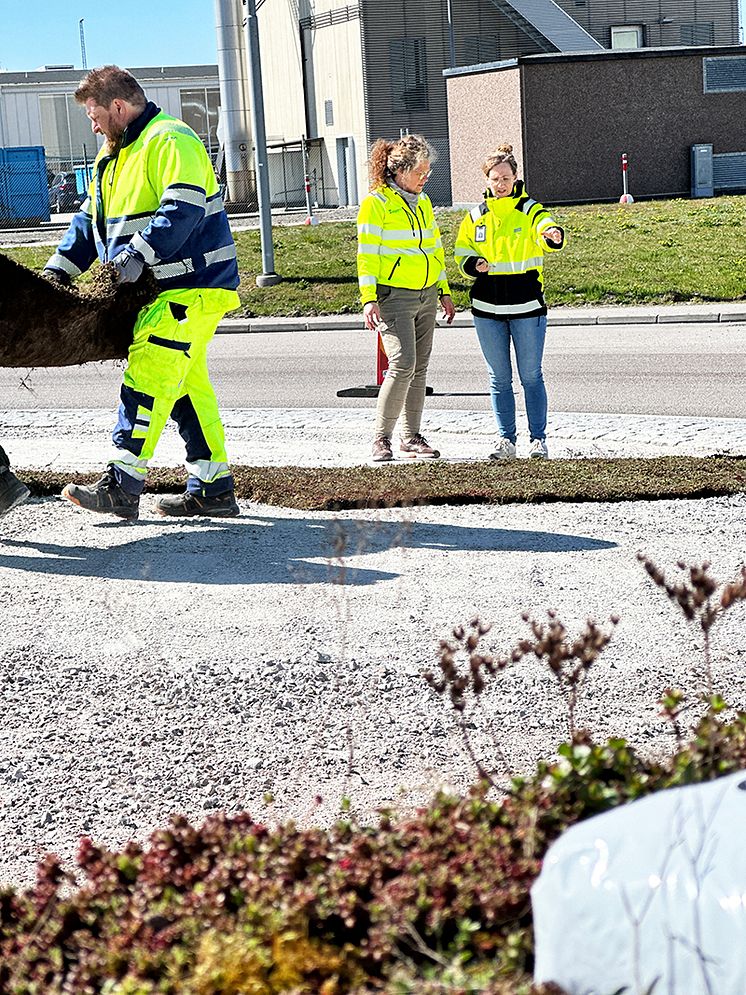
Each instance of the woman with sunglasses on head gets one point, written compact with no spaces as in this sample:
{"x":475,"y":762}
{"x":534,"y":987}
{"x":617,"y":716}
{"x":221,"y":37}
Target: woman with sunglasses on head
{"x":401,"y":272}
{"x":501,"y":245}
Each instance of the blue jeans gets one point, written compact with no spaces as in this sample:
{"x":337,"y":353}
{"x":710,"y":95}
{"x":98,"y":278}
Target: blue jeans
{"x":527,"y":335}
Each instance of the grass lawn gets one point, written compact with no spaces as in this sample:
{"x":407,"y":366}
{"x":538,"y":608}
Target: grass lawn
{"x":655,"y":252}
{"x":535,"y":481}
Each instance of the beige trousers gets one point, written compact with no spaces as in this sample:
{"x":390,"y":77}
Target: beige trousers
{"x":408,"y":342}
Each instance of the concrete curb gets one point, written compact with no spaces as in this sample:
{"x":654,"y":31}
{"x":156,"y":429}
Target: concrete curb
{"x":557,"y":317}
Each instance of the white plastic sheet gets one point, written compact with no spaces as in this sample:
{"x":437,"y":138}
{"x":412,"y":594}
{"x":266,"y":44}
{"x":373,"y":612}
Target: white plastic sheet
{"x":649,"y":897}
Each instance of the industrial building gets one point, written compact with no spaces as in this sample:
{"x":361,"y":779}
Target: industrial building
{"x":350,"y":74}
{"x":342,"y":76}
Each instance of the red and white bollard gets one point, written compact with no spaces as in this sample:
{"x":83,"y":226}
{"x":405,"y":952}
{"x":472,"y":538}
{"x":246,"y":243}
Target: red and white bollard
{"x":310,"y":219}
{"x":626,"y":197}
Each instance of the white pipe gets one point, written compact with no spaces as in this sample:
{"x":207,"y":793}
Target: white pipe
{"x":235,"y":117}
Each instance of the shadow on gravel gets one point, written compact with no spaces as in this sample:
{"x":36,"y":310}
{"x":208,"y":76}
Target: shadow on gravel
{"x":266,"y":550}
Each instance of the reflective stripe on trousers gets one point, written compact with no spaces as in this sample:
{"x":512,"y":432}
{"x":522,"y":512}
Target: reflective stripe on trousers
{"x":167,"y":376}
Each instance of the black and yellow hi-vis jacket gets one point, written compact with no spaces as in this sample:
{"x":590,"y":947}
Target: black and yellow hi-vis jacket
{"x":507,"y":232}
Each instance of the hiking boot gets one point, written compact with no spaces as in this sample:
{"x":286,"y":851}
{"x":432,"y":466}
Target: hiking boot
{"x":187,"y":505}
{"x":505,"y":450}
{"x":418,"y":446}
{"x":538,"y":449}
{"x":106,"y":496}
{"x":382,"y":449}
{"x":12,"y":491}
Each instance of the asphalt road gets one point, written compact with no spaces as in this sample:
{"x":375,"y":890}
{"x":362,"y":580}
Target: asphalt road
{"x":694,"y":369}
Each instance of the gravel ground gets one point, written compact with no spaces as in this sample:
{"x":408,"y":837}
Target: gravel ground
{"x":186,"y":666}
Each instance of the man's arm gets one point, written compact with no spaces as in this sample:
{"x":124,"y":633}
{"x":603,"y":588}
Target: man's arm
{"x":77,"y":249}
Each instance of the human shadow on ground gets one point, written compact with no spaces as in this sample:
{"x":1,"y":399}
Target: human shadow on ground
{"x":268,"y":550}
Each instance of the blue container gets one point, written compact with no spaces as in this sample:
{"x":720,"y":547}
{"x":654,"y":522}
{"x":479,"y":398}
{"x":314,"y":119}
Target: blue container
{"x":24,"y":196}
{"x":82,"y":179}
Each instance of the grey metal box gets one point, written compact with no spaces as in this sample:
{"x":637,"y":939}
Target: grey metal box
{"x":702,"y":177}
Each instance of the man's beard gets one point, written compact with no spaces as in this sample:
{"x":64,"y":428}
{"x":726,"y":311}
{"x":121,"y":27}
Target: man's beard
{"x":113,"y":142}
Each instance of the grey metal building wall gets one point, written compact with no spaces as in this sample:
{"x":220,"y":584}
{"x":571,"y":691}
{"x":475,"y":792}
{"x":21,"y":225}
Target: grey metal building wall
{"x":664,"y":22}
{"x":406,"y":47}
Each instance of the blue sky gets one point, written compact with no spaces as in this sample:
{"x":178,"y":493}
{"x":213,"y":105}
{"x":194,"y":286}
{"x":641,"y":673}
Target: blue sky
{"x":35,"y":33}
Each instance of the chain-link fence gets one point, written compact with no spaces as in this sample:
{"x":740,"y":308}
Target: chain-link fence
{"x":299,"y":173}
{"x":37,"y":186}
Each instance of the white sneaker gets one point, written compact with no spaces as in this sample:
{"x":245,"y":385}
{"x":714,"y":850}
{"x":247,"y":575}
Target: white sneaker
{"x":538,"y":449}
{"x":505,"y":450}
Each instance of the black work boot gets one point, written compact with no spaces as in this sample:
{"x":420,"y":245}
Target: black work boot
{"x":12,"y":491}
{"x":107,"y":495}
{"x":188,"y":505}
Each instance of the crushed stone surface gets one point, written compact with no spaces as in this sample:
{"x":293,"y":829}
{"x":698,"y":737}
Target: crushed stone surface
{"x":170,"y":666}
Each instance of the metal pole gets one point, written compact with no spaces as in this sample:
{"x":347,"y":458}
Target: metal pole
{"x":86,"y":169}
{"x":310,"y":219}
{"x":83,"y":58}
{"x":268,"y":277}
{"x":451,"y":37}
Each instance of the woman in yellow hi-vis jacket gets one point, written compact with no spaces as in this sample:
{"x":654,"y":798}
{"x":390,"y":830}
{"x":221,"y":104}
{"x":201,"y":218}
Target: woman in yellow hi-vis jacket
{"x":501,"y":244}
{"x":401,"y":272}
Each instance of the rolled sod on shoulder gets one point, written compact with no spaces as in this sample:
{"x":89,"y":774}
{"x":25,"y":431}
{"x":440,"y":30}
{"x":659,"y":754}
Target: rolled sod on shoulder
{"x":45,"y":324}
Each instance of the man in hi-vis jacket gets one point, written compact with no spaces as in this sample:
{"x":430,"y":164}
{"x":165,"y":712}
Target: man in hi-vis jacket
{"x":154,"y":202}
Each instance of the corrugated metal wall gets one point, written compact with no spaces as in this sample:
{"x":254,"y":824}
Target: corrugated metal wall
{"x":664,"y":22}
{"x":407,"y":45}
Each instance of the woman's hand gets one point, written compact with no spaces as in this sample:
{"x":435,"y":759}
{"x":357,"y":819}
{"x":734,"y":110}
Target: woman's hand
{"x":481,"y":265}
{"x":553,"y":235}
{"x":448,"y":309}
{"x":372,"y":316}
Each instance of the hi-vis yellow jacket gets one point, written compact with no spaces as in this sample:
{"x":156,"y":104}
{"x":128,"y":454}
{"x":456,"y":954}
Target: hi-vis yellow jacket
{"x":398,"y":246}
{"x":157,"y":196}
{"x":507,"y":233}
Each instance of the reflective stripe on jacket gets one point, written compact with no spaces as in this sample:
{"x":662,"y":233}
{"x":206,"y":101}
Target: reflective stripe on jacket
{"x":398,"y":246}
{"x":158,"y":194}
{"x":507,"y":233}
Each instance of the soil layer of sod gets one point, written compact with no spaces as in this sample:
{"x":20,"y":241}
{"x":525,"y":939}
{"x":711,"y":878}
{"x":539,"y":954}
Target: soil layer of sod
{"x":432,"y":483}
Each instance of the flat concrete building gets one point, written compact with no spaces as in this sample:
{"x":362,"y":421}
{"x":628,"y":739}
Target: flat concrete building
{"x":571,"y":117}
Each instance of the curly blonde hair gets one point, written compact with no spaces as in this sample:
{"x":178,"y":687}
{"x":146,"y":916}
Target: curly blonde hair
{"x":388,"y":158}
{"x":503,"y":153}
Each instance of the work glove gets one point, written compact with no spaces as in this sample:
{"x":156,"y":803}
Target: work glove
{"x":58,"y":276}
{"x":127,"y":267}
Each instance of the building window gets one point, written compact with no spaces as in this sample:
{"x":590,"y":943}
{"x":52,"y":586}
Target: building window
{"x":481,"y":48}
{"x":329,"y":113}
{"x":65,"y":129}
{"x":725,"y":75}
{"x":627,"y":36}
{"x":408,"y":75}
{"x":701,"y":33}
{"x":199,"y":109}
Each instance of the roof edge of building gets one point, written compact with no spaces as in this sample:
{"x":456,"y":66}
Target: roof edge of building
{"x":607,"y":54}
{"x":147,"y":73}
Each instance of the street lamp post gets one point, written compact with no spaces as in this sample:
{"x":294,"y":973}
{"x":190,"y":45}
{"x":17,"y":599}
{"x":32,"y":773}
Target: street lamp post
{"x":267,"y":277}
